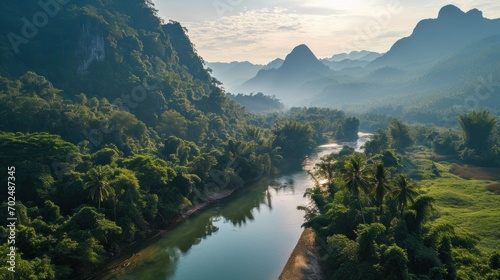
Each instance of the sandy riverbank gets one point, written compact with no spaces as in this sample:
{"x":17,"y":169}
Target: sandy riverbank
{"x":303,"y":263}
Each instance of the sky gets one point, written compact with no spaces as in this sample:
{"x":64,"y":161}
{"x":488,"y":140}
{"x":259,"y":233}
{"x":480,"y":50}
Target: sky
{"x":260,"y":31}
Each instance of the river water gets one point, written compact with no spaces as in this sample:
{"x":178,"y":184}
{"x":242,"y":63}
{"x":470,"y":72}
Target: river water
{"x":248,"y":236}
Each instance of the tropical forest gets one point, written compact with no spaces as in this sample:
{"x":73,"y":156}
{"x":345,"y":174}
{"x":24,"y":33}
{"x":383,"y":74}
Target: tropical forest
{"x":125,"y":154}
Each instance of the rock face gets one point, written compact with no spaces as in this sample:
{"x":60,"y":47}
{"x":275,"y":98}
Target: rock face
{"x":91,"y":48}
{"x":303,"y":263}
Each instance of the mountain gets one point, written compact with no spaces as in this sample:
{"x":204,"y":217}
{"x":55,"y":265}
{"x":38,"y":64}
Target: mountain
{"x":355,"y":55}
{"x":299,"y":67}
{"x":446,"y":66}
{"x":346,"y":63}
{"x":301,"y":60}
{"x":432,"y":39}
{"x":113,"y":128}
{"x":274,"y":64}
{"x":233,"y":74}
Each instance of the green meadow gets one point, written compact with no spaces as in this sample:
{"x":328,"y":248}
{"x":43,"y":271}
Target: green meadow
{"x":469,"y":204}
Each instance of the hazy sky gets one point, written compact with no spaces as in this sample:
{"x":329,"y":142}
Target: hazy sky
{"x":262,"y":30}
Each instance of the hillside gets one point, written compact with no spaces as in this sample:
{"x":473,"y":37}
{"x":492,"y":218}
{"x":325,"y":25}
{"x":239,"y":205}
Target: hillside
{"x":429,"y":76}
{"x":432,"y":39}
{"x":113,"y":130}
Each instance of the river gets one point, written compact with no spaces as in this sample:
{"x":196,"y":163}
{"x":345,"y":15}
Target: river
{"x":246,"y":237}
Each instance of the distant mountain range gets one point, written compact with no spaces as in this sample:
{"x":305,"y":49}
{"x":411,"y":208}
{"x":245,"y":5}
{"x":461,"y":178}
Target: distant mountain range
{"x":435,"y":70}
{"x":234,"y":74}
{"x":434,"y":38}
{"x":356,"y":55}
{"x":299,"y":67}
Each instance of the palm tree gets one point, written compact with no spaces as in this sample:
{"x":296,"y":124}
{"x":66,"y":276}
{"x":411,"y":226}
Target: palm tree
{"x":326,"y":169}
{"x":254,"y":133}
{"x":296,"y":139}
{"x":98,"y":185}
{"x":237,"y":148}
{"x":381,"y":186}
{"x":357,"y":178}
{"x":404,"y":192}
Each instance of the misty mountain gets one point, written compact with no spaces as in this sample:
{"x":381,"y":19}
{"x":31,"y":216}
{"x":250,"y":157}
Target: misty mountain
{"x":429,"y":76}
{"x":355,"y":55}
{"x":234,"y":74}
{"x":432,"y":39}
{"x":346,"y":63}
{"x":299,"y":67}
{"x":274,"y":64}
{"x":477,"y":60}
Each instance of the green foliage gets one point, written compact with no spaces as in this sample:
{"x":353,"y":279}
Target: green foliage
{"x":105,"y":156}
{"x":295,"y":139}
{"x":153,"y":173}
{"x":401,"y":137}
{"x":404,"y":192}
{"x":478,"y":129}
{"x":347,"y":130}
{"x":381,"y":185}
{"x":258,"y":103}
{"x":325,"y":122}
{"x":98,"y":184}
{"x":495,"y":261}
{"x":356,"y":178}
{"x":402,"y":242}
{"x":137,"y":132}
{"x":380,"y":141}
{"x":446,"y":143}
{"x":394,"y":262}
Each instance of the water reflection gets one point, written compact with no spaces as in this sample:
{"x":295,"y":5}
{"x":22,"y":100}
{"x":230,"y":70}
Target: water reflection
{"x":160,"y":260}
{"x":230,"y":235}
{"x":269,"y":201}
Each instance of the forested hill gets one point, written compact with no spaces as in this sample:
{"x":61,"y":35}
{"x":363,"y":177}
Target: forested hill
{"x":108,"y":49}
{"x":112,"y":129}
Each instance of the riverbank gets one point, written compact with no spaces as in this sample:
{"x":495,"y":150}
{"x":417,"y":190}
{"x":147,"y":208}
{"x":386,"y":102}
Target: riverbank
{"x":128,"y":257}
{"x":303,"y":263}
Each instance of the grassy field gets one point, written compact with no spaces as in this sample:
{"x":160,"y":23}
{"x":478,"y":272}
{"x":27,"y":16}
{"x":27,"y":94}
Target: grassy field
{"x":470,"y":205}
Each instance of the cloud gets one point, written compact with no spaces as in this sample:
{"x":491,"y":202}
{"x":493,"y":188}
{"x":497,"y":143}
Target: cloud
{"x":250,"y":32}
{"x":261,"y":30}
{"x":261,"y":35}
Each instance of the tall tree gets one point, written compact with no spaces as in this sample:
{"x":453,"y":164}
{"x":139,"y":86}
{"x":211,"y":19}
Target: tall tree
{"x":357,"y":178}
{"x":400,"y":135}
{"x":404,"y":192}
{"x":326,"y":169}
{"x":347,"y":129}
{"x":478,"y":130}
{"x":381,"y":185}
{"x":380,"y":141}
{"x":296,"y":139}
{"x":98,"y":184}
